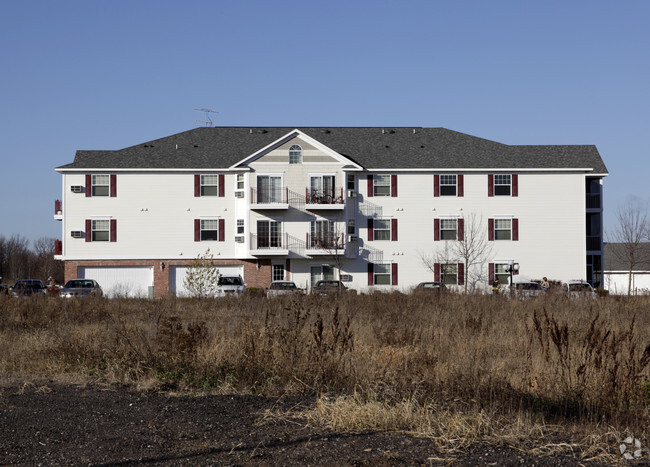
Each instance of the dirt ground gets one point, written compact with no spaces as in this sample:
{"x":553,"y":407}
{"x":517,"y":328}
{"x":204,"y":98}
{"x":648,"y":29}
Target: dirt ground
{"x":50,"y":424}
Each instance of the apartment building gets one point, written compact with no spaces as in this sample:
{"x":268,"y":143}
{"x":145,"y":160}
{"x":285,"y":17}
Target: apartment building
{"x":380,"y":208}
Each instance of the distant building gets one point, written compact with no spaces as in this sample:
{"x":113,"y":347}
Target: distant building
{"x":617,"y":270}
{"x":311,"y":203}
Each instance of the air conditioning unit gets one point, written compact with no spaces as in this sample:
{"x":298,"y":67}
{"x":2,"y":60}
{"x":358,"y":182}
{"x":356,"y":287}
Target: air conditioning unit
{"x":76,"y":188}
{"x":352,"y":194}
{"x":239,"y":239}
{"x":352,"y":238}
{"x":76,"y":234}
{"x":239,"y":194}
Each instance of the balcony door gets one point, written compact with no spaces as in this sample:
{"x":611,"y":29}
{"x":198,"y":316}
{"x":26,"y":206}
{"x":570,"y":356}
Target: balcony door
{"x":268,"y":234}
{"x":269,"y":189}
{"x":322,"y":186}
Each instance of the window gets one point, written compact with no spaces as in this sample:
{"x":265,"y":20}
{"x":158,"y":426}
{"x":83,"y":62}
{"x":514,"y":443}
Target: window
{"x":501,"y":274}
{"x":447,"y":185}
{"x":101,"y":230}
{"x":209,"y":185}
{"x":240,"y":226}
{"x":269,"y":234}
{"x":240,"y":181}
{"x":449,"y":274}
{"x":209,"y":229}
{"x":295,"y":154}
{"x":448,"y":229}
{"x":101,"y":185}
{"x":322,"y":188}
{"x":320,"y":273}
{"x":502,"y":229}
{"x":277,"y":272}
{"x":381,"y":186}
{"x":323,"y":235}
{"x":381,"y":230}
{"x":269,"y":189}
{"x":351,"y":227}
{"x":382,"y":273}
{"x":351,"y":183}
{"x":502,"y":184}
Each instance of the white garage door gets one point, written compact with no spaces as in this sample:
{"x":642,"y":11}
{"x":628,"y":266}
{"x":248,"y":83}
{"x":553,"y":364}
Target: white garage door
{"x":121,"y":281}
{"x":177,"y":277}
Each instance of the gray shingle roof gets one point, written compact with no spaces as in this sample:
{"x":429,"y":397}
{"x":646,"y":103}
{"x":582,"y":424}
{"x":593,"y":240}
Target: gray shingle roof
{"x":370,"y":147}
{"x":615,"y":258}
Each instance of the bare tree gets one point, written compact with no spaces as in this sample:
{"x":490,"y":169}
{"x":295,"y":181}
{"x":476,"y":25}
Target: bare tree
{"x":632,"y":231}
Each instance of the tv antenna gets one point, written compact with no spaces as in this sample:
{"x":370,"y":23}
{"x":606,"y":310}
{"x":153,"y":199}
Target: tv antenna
{"x":208,"y":120}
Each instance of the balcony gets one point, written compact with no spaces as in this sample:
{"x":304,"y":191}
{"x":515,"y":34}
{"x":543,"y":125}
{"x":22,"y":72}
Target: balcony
{"x":325,"y":244}
{"x":320,"y":200}
{"x":593,"y":201}
{"x":269,"y":198}
{"x":594,"y":242}
{"x":58,"y":210}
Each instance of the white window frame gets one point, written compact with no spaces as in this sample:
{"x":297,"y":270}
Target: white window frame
{"x":101,"y":182}
{"x":272,"y":199}
{"x":375,"y":230}
{"x":445,"y":228}
{"x":275,"y":276}
{"x":500,"y":273}
{"x":274,"y":238}
{"x":203,"y":227}
{"x":449,"y":270}
{"x":240,"y":182}
{"x":321,"y":276}
{"x":351,"y":182}
{"x":321,"y":191}
{"x":351,"y":227}
{"x":501,"y":229}
{"x":446,"y":181}
{"x":501,"y":181}
{"x":381,"y":181}
{"x":240,"y":226}
{"x":295,"y":154}
{"x":209,"y":182}
{"x":383,"y":272}
{"x":97,"y":229}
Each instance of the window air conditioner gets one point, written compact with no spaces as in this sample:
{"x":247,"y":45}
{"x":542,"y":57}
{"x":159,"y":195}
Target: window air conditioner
{"x":352,"y":238}
{"x":239,"y":194}
{"x":239,"y":239}
{"x":76,"y":188}
{"x":352,"y":194}
{"x":76,"y":234}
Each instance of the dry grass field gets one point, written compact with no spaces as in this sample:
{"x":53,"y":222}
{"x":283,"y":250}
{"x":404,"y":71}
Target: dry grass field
{"x":453,"y":368}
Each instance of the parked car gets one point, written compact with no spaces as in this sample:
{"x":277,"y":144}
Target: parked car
{"x":4,"y":289}
{"x":430,"y":287}
{"x":230,"y":285}
{"x":328,"y":287}
{"x":527,"y":290}
{"x":278,"y":288}
{"x":28,"y":288}
{"x":81,"y":288}
{"x":577,"y":289}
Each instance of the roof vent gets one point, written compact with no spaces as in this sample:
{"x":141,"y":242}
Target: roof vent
{"x":196,"y":145}
{"x":387,"y":146}
{"x":325,"y":131}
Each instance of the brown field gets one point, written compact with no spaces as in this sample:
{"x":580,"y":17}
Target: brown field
{"x":454,"y":368}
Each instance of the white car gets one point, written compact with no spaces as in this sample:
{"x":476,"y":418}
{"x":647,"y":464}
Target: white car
{"x":282,"y":288}
{"x":230,"y":285}
{"x":576,"y":289}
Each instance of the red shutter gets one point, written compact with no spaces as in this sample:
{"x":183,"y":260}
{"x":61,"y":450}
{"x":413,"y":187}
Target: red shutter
{"x":461,"y":274}
{"x":58,"y":247}
{"x":436,"y":185}
{"x":393,"y":186}
{"x":113,"y":230}
{"x":113,"y":185}
{"x":515,"y":229}
{"x":89,"y":230}
{"x":491,"y":229}
{"x":491,"y":272}
{"x":461,"y":229}
{"x":197,"y":230}
{"x":394,"y":274}
{"x":222,"y":230}
{"x":436,"y":272}
{"x":371,"y":186}
{"x":515,"y":185}
{"x":393,"y":230}
{"x":370,"y":230}
{"x":436,"y":230}
{"x":371,"y":278}
{"x":461,"y":186}
{"x":222,"y":186}
{"x":89,"y":185}
{"x":197,"y":185}
{"x":490,"y":185}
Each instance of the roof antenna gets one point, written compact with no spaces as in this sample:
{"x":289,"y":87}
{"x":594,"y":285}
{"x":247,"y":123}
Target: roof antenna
{"x":208,"y":120}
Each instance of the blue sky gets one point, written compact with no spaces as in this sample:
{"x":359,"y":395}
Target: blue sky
{"x":107,"y":75}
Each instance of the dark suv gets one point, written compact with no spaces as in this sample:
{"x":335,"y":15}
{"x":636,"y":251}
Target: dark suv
{"x":327,"y":287}
{"x":28,"y":287}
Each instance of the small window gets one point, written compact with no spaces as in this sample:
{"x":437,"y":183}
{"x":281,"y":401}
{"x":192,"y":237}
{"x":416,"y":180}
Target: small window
{"x":448,"y":228}
{"x":101,"y":185}
{"x":448,"y":185}
{"x":351,"y":183}
{"x":381,"y":185}
{"x":502,"y":184}
{"x":351,"y":227}
{"x":209,"y":185}
{"x":502,"y":229}
{"x":501,"y":273}
{"x":101,"y":230}
{"x":240,"y":181}
{"x":381,"y":229}
{"x":209,"y":229}
{"x":240,"y":226}
{"x":295,"y":154}
{"x":449,"y":273}
{"x":381,"y":274}
{"x":278,"y":272}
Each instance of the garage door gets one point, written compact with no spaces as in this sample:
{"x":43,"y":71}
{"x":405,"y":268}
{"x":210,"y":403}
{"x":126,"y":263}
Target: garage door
{"x":178,"y":273}
{"x":121,"y":281}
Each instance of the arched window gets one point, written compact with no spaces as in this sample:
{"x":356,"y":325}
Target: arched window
{"x":295,"y":154}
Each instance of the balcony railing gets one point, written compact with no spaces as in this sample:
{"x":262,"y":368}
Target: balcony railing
{"x":260,"y":195}
{"x":593,"y":201}
{"x":323,"y":197}
{"x":272,"y":241}
{"x":325,"y":241}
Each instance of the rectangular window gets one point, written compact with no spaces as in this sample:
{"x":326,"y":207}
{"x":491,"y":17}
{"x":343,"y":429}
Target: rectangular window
{"x":381,"y":229}
{"x":268,"y":234}
{"x":323,"y":235}
{"x":269,"y":189}
{"x":381,"y":273}
{"x":502,"y":184}
{"x":209,"y":229}
{"x":449,"y":273}
{"x":209,"y":185}
{"x":322,"y":189}
{"x":351,"y":183}
{"x":351,"y":227}
{"x":501,"y":274}
{"x":101,"y":230}
{"x":381,"y":185}
{"x":318,"y":273}
{"x":503,"y":229}
{"x":448,"y":185}
{"x":277,"y":273}
{"x":101,"y":185}
{"x":240,"y":181}
{"x":448,"y":228}
{"x":240,"y":226}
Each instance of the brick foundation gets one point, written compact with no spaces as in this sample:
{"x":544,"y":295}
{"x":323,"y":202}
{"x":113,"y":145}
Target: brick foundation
{"x":257,"y":273}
